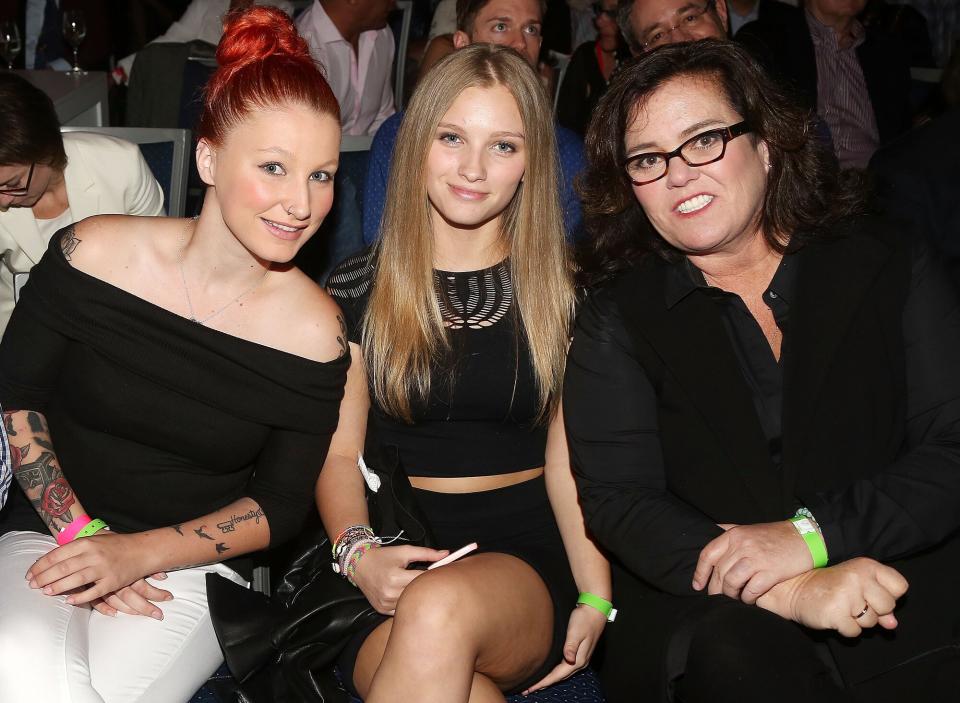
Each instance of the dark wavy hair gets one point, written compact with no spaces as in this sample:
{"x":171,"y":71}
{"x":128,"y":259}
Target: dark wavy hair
{"x":29,"y":129}
{"x":805,"y":192}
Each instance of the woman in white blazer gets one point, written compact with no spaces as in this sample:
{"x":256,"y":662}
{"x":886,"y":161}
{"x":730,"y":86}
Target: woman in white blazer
{"x":48,"y":180}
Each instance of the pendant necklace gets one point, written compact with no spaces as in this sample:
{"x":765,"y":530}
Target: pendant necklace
{"x":186,"y":290}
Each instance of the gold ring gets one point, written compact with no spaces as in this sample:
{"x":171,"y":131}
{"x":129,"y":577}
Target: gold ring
{"x":866,"y":607}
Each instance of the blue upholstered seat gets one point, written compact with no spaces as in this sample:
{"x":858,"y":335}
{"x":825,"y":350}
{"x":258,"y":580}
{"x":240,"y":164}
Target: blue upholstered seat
{"x":583,"y":687}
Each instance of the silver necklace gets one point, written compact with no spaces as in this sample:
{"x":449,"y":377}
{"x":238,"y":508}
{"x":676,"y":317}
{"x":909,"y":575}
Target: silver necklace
{"x":186,"y":290}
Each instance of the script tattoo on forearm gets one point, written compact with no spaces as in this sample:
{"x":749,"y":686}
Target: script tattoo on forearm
{"x":231,"y":524}
{"x":38,"y":472}
{"x":69,"y":243}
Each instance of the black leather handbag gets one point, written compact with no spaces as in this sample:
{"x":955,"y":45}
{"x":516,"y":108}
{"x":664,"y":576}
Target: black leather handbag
{"x":283,"y":649}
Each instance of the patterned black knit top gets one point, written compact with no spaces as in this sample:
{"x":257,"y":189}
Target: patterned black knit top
{"x":481,"y":416}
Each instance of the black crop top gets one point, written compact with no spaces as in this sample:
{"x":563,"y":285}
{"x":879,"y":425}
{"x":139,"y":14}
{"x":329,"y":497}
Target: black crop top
{"x":157,"y":420}
{"x":481,"y":416}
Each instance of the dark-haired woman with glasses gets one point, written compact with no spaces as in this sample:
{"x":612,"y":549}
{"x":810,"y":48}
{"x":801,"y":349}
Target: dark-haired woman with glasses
{"x":590,"y":68}
{"x":762,"y":404}
{"x":49,"y":180}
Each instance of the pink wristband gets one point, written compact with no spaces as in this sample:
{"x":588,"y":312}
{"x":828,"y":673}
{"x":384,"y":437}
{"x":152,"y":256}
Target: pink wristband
{"x":69,"y":533}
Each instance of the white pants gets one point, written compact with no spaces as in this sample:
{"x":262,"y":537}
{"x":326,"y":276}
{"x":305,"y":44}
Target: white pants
{"x":52,"y":652}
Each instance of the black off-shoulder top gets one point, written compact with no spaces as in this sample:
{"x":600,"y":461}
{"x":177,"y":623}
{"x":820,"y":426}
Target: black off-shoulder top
{"x":481,"y":416}
{"x":155,"y":419}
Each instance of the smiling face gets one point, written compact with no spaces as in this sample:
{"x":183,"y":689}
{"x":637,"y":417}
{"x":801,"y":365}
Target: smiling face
{"x":513,"y":23}
{"x":698,"y":209}
{"x":476,"y":160}
{"x":273,"y":177}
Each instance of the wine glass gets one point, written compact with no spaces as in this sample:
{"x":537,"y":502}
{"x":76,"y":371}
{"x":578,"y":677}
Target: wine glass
{"x":74,"y":31}
{"x":10,"y":44}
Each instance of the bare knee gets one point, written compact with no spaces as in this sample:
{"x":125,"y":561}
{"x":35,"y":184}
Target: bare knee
{"x":436,"y":605}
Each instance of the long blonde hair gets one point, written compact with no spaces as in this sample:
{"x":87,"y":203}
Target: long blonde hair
{"x":403,"y":328}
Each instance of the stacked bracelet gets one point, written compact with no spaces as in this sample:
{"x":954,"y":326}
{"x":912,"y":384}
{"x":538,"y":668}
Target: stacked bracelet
{"x":69,"y":533}
{"x":92,"y":528}
{"x":82,"y":526}
{"x":345,"y":544}
{"x":598,"y":603}
{"x":808,"y":529}
{"x":356,"y":553}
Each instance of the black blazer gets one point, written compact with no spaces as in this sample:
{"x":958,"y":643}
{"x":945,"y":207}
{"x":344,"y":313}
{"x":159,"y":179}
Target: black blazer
{"x":665,"y":441}
{"x":782,"y":43}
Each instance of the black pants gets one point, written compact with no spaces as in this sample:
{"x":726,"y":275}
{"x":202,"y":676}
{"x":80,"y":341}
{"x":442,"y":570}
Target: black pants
{"x":718,"y":650}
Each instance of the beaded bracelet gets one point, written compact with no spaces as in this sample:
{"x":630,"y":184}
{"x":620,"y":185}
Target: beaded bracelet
{"x":348,"y":536}
{"x":346,"y":547}
{"x":355,"y":555}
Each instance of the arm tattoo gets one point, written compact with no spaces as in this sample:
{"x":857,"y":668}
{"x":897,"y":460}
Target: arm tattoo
{"x":39,"y":474}
{"x":178,"y":528}
{"x":69,"y":243}
{"x":231,"y":524}
{"x":201,"y":534}
{"x":342,"y":337}
{"x":222,"y":547}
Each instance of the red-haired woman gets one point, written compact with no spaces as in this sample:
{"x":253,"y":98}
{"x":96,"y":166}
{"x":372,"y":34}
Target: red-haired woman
{"x":177,"y":380}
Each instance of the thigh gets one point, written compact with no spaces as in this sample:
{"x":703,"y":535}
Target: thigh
{"x":43,"y":639}
{"x":137,"y":658}
{"x":496,"y":600}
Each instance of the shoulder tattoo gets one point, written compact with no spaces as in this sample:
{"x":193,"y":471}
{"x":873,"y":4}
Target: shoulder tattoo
{"x":69,"y":243}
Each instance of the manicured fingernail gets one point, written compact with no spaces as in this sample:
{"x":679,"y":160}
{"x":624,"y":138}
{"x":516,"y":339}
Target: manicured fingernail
{"x":28,"y":576}
{"x":697,"y":585}
{"x":70,"y":600}
{"x":156,"y":615}
{"x":33,"y":584}
{"x":161,"y":576}
{"x":48,"y":590}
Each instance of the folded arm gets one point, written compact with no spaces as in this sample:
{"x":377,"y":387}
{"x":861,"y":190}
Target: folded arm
{"x":611,"y":420}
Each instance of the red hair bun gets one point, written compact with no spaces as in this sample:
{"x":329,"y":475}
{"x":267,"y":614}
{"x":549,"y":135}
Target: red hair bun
{"x":263,"y":63}
{"x":256,"y":33}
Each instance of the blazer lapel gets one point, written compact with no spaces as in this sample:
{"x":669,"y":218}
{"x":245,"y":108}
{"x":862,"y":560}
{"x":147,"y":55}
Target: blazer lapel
{"x":692,"y":342}
{"x":82,"y":192}
{"x":833,"y":280}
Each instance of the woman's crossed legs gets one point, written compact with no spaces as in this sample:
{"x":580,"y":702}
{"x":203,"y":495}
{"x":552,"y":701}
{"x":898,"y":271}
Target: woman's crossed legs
{"x":463,"y":632}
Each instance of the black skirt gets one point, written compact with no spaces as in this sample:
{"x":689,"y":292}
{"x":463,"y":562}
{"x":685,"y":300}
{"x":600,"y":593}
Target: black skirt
{"x":516,"y":520}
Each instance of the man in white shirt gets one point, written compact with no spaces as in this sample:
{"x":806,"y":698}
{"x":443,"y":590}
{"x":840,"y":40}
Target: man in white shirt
{"x":351,"y":40}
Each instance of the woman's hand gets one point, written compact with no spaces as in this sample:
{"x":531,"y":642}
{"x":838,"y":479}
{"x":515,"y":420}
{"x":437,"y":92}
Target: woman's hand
{"x":746,"y":561}
{"x":135,"y":599}
{"x":92,"y":567}
{"x":382,"y":573}
{"x":583,"y":632}
{"x":848,"y":597}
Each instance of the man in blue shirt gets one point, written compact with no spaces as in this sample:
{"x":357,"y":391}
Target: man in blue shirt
{"x":513,"y":23}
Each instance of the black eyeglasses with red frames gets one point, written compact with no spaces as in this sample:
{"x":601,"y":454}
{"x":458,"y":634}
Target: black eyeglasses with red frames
{"x":699,"y":150}
{"x":599,"y":10}
{"x":692,"y":16}
{"x":19,"y":190}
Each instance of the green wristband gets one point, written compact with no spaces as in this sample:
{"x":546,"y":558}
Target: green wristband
{"x":598,"y":603}
{"x":811,"y":535}
{"x":91,"y":528}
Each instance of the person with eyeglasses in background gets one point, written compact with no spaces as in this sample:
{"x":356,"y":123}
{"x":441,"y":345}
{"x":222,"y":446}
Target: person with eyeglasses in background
{"x":762,"y":404}
{"x":590,"y":69}
{"x":49,"y":180}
